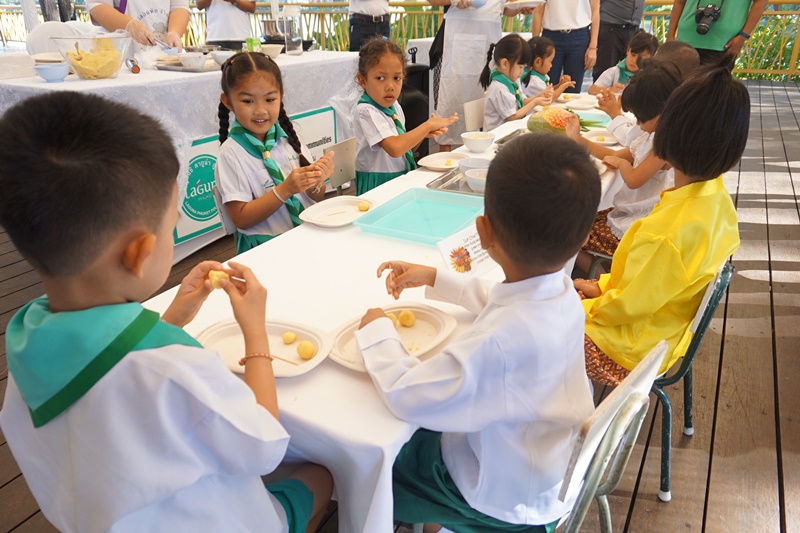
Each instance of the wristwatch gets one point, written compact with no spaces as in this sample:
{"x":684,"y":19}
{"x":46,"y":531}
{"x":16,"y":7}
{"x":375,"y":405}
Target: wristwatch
{"x":741,"y":33}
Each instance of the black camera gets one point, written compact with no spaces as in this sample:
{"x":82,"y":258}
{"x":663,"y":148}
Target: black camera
{"x":705,"y":17}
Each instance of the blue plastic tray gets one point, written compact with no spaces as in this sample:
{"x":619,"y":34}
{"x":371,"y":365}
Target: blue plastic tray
{"x":600,"y":117}
{"x":422,"y":215}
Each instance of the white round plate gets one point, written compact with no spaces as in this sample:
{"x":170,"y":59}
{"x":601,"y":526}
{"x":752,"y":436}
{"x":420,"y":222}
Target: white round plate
{"x":430,"y":329}
{"x":603,"y":137}
{"x":601,"y":167}
{"x":334,"y":212}
{"x":586,"y":103}
{"x":226,"y":338}
{"x":519,"y":4}
{"x":442,"y":160}
{"x":567,"y":98}
{"x":48,"y":57}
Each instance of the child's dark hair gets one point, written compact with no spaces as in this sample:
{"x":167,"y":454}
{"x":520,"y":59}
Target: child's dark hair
{"x":648,"y":91}
{"x":703,"y":130}
{"x":643,"y":42}
{"x":683,"y":55}
{"x":233,"y":70}
{"x":77,"y":169}
{"x":541,"y":47}
{"x":511,"y":47}
{"x":542,"y":194}
{"x":372,"y":51}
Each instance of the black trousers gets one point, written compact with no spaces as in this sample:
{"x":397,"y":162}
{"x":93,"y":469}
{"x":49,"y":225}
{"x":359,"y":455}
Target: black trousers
{"x":612,"y":43}
{"x":362,"y":30}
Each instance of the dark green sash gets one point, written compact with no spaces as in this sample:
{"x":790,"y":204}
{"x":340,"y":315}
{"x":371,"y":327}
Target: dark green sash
{"x":401,"y":129}
{"x":510,"y":85}
{"x":624,"y":73}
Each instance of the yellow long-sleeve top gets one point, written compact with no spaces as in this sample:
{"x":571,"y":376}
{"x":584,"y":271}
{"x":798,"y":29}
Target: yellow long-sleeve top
{"x":660,"y":270}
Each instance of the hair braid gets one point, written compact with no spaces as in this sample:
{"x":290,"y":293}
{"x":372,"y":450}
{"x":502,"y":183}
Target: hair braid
{"x":224,"y":122}
{"x":486,"y":73}
{"x":294,"y":141}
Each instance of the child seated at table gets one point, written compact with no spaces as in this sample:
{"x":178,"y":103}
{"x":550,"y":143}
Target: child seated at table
{"x":642,"y":46}
{"x":385,"y":148}
{"x":119,"y":420}
{"x":263,"y":171}
{"x":504,"y":100}
{"x":514,"y":382}
{"x":534,"y":79}
{"x":678,"y":53}
{"x":643,"y":174}
{"x":665,"y":260}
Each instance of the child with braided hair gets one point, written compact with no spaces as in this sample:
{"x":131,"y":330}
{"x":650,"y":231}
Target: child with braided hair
{"x":263,"y":170}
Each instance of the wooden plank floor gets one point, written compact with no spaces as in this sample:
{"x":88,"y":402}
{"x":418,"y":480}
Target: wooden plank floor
{"x":741,"y":469}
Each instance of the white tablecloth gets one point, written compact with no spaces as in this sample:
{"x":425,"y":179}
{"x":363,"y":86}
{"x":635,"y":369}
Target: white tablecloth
{"x":334,"y":415}
{"x":186,"y":103}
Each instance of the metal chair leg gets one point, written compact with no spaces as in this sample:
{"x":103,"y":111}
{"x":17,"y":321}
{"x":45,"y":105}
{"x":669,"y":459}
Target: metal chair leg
{"x":688,"y":426}
{"x":418,"y":528}
{"x":666,"y":442}
{"x":605,"y":514}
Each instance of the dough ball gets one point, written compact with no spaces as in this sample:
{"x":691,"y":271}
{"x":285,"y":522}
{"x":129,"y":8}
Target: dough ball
{"x":406,"y":318}
{"x":216,"y":276}
{"x":393,"y":318}
{"x":363,"y":206}
{"x":306,"y":350}
{"x":601,"y":139}
{"x":289,"y":337}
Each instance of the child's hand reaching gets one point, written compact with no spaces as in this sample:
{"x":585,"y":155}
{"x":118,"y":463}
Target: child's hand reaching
{"x":248,"y":299}
{"x":617,"y":87}
{"x":438,"y":125}
{"x":587,"y":288}
{"x":609,"y":102}
{"x":406,"y":276}
{"x":193,"y":291}
{"x":614,"y":161}
{"x":566,"y":78}
{"x":573,"y":128}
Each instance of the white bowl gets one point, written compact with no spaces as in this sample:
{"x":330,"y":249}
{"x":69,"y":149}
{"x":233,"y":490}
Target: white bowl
{"x":52,"y":72}
{"x":272,"y":50}
{"x":221,"y":56}
{"x":477,"y":141}
{"x":476,"y":179}
{"x":192,"y":59}
{"x":471,"y":163}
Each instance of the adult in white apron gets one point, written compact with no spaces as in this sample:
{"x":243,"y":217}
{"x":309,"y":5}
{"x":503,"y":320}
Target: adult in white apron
{"x":145,"y":20}
{"x":468,"y":32}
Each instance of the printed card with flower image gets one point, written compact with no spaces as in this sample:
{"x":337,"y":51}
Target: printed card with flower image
{"x":462,"y":253}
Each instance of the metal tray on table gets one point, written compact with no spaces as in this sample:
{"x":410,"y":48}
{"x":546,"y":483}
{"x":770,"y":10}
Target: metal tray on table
{"x":453,"y":181}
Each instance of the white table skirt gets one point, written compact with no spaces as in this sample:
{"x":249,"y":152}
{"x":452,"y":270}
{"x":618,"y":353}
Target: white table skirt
{"x":334,"y":415}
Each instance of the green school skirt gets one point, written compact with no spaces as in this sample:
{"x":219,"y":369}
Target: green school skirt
{"x":366,"y":181}
{"x":296,"y":500}
{"x":424,"y":492}
{"x":248,"y":242}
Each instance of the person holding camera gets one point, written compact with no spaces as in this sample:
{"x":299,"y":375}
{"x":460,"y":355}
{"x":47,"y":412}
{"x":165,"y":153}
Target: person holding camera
{"x":716,"y":28}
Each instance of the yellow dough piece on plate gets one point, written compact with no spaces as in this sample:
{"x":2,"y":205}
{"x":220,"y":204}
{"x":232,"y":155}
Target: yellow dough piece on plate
{"x":289,"y":337}
{"x":216,"y":276}
{"x":306,"y":350}
{"x":393,"y":318}
{"x":363,"y":206}
{"x":407,"y":318}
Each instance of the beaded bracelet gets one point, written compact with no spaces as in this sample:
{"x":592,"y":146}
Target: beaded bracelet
{"x":278,"y":196}
{"x":244,"y":359}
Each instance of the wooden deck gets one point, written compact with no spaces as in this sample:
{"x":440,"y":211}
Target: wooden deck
{"x":741,"y":469}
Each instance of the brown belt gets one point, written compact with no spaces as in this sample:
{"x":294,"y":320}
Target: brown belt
{"x":371,"y":18}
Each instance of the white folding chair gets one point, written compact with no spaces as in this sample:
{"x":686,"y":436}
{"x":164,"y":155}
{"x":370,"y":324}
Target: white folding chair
{"x":473,"y":114}
{"x":605,"y":443}
{"x":227,"y":223}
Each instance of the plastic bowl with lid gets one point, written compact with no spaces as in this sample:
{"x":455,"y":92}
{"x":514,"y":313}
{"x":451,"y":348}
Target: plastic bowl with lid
{"x":94,"y":57}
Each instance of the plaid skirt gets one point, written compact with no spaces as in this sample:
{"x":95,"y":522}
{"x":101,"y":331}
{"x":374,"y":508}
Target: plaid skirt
{"x":600,"y":367}
{"x":600,"y":238}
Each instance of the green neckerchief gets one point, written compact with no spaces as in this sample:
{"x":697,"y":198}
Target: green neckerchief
{"x":542,"y":77}
{"x":255,"y":148}
{"x":55,"y":358}
{"x":525,"y":72}
{"x":510,"y":85}
{"x":401,"y":129}
{"x":624,"y":73}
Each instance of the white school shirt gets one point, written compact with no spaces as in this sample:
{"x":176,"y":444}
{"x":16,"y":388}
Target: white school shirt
{"x":624,"y":130}
{"x":152,"y":13}
{"x":632,"y":204}
{"x":509,"y":395}
{"x":241,"y":178}
{"x":369,"y":7}
{"x":608,"y":78}
{"x":167,"y":440}
{"x":567,"y":15}
{"x":500,"y":104}
{"x":226,"y":22}
{"x":535,"y":86}
{"x":371,"y":127}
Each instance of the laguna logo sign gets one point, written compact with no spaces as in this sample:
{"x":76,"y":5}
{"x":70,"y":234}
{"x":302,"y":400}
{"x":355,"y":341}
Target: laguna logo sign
{"x":198,"y":203}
